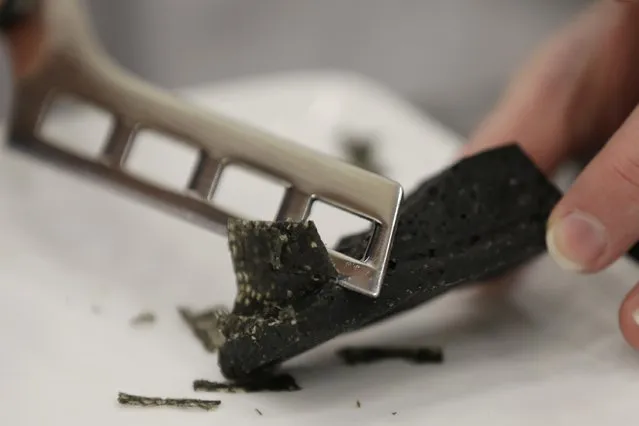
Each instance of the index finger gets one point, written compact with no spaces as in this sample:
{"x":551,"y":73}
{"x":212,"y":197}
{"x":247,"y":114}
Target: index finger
{"x":537,"y":109}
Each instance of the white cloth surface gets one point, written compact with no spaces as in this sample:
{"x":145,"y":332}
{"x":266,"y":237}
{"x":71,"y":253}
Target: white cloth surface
{"x":77,"y":261}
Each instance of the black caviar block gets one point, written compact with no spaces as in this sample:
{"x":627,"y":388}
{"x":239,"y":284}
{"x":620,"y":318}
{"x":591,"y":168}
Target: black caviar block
{"x":475,"y":220}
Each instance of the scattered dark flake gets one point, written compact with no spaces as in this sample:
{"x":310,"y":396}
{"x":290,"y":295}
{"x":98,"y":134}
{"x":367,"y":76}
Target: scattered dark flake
{"x":207,"y":326}
{"x":274,"y":383}
{"x":143,"y":318}
{"x":258,"y":412}
{"x":476,"y":220}
{"x":365,"y":355}
{"x":145,"y":401}
{"x":394,"y":413}
{"x":359,"y":404}
{"x":361,"y":152}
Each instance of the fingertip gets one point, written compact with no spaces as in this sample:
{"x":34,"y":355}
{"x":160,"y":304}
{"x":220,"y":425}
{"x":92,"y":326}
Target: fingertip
{"x":576,"y":241}
{"x":467,"y":150}
{"x":629,"y":317}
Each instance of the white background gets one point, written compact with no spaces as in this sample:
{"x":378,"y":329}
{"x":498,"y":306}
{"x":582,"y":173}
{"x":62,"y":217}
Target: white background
{"x":78,"y":261}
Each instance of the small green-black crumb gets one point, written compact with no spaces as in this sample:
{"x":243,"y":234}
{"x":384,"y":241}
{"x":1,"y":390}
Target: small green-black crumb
{"x":258,"y":412}
{"x":359,"y":404}
{"x":143,"y":318}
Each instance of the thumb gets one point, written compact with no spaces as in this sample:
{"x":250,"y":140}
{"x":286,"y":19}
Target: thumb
{"x":597,"y":220}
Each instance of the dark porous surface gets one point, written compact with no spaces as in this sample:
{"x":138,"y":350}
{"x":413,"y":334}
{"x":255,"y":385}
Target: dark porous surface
{"x":475,"y":220}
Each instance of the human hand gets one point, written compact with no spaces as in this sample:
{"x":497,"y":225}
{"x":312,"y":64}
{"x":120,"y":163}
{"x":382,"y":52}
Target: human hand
{"x":579,"y":94}
{"x":24,"y":36}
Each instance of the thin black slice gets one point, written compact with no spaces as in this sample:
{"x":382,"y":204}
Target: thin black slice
{"x":369,"y":354}
{"x":475,"y":220}
{"x":268,"y":383}
{"x":151,"y":401}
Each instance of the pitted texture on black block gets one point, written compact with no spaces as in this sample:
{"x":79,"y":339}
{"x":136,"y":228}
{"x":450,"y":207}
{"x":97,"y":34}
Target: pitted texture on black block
{"x":475,"y":220}
{"x":266,"y":254}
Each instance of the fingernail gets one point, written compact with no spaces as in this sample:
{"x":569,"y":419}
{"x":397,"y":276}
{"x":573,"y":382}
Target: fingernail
{"x":635,"y":316}
{"x":576,"y":241}
{"x":629,"y":317}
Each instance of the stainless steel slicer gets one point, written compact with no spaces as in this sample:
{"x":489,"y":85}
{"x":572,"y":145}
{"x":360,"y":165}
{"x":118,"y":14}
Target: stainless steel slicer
{"x":73,"y":63}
